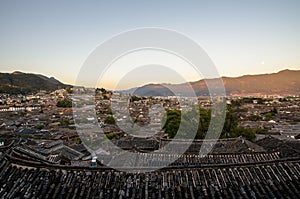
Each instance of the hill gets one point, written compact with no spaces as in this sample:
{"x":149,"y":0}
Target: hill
{"x":24,"y":83}
{"x":286,"y":82}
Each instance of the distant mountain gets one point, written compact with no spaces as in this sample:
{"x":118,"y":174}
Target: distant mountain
{"x":128,"y":91}
{"x":286,"y":82}
{"x":24,"y":83}
{"x":153,"y":90}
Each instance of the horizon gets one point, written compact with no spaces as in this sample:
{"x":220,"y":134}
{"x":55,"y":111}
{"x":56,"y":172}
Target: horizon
{"x":148,"y":83}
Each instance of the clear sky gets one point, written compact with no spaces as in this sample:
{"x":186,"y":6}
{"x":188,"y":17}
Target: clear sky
{"x":241,"y":37}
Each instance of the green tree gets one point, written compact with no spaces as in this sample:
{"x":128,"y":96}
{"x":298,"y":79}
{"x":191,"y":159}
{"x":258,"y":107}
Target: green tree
{"x":112,"y":135}
{"x":271,"y":113}
{"x":204,"y":121}
{"x":189,"y":120}
{"x":246,"y":132}
{"x":109,"y":120}
{"x":230,"y":124}
{"x":261,"y":131}
{"x":64,"y":103}
{"x":174,"y":118}
{"x":268,"y":115}
{"x":172,"y":122}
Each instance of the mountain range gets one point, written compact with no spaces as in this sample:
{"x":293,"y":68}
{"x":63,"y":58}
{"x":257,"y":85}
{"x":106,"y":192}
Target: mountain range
{"x":285,"y":82}
{"x":25,"y":83}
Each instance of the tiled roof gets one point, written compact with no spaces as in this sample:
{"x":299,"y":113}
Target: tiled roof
{"x":273,"y":180}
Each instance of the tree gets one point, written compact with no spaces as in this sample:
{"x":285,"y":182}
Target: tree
{"x":64,"y":103}
{"x":271,"y":113}
{"x":135,"y":98}
{"x":112,"y":135}
{"x":268,"y":115}
{"x":204,"y":121}
{"x":246,"y":132}
{"x":230,"y":124}
{"x":172,"y":122}
{"x":188,"y":120}
{"x":174,"y":118}
{"x":105,"y":97}
{"x":261,"y":131}
{"x":109,"y":120}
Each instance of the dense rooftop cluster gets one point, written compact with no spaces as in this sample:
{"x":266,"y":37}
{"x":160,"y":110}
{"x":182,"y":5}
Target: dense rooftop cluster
{"x":42,"y":156}
{"x":28,"y":170}
{"x":278,"y":115}
{"x":272,"y":180}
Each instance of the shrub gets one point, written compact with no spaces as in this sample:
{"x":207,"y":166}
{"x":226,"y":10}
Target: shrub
{"x":64,"y":103}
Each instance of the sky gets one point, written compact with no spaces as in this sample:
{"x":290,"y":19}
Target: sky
{"x":241,"y":37}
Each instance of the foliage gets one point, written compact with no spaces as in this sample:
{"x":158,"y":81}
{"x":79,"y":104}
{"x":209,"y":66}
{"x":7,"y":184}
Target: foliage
{"x":261,"y":131}
{"x":136,"y":98}
{"x":230,"y":124}
{"x":241,"y":110}
{"x":109,"y":111}
{"x":230,"y":128}
{"x":268,"y":115}
{"x":109,"y":120}
{"x":105,"y":97}
{"x":64,"y":103}
{"x":172,"y":122}
{"x":236,"y":102}
{"x":255,"y":117}
{"x":101,"y":90}
{"x":205,"y":116}
{"x":65,"y":122}
{"x":283,"y":100}
{"x":22,"y":83}
{"x":271,"y":113}
{"x":251,"y":99}
{"x":246,"y":132}
{"x":77,"y":140}
{"x":39,"y":126}
{"x":247,"y":100}
{"x":112,"y":135}
{"x":274,"y":111}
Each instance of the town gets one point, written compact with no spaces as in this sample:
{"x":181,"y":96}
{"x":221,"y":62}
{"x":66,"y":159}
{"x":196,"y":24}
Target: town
{"x":40,"y":139}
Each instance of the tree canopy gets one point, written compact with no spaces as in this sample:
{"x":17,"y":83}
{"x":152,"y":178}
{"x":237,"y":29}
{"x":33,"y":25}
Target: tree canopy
{"x":174,"y":118}
{"x":64,"y":103}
